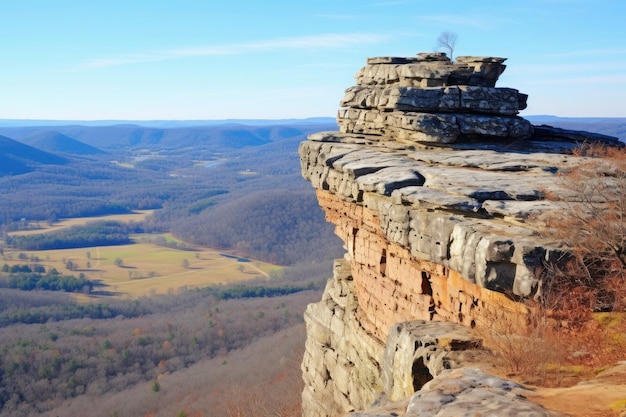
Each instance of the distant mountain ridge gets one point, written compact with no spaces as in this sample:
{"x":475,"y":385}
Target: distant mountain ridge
{"x":19,"y":158}
{"x":53,"y":141}
{"x":612,"y":126}
{"x":163,"y":123}
{"x":218,"y":137}
{"x":23,"y":148}
{"x":16,"y":128}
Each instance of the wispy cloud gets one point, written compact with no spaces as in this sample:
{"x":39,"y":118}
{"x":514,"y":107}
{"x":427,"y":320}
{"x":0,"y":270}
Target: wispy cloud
{"x":451,"y":20}
{"x":330,"y":40}
{"x":582,"y":67}
{"x":588,"y":52}
{"x":589,"y":81}
{"x":338,"y":16}
{"x":392,"y":3}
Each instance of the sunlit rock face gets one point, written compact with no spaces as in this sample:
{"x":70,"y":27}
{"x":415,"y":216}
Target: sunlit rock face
{"x":431,"y":99}
{"x":438,"y":190}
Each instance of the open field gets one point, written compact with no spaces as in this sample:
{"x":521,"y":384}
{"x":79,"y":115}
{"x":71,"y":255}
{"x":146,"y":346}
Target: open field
{"x":146,"y":268}
{"x":43,"y":227}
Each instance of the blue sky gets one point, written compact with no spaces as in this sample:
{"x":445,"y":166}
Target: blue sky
{"x":188,"y":59}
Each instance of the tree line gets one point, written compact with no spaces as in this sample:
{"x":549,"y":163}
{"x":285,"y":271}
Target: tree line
{"x":97,"y":233}
{"x":27,"y":278}
{"x":278,"y":226}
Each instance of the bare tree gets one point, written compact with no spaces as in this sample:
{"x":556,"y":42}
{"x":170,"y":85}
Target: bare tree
{"x":447,"y":40}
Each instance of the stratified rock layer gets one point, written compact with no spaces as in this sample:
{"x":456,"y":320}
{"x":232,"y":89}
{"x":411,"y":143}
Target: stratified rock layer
{"x":438,"y":190}
{"x":431,"y":99}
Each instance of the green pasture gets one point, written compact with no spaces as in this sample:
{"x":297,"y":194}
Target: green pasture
{"x":146,"y":268}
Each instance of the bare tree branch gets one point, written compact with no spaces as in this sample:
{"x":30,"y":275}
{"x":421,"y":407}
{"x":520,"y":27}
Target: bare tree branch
{"x":447,"y":40}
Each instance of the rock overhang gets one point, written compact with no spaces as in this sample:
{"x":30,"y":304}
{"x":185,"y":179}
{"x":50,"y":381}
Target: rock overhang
{"x":441,"y":193}
{"x":434,"y":138}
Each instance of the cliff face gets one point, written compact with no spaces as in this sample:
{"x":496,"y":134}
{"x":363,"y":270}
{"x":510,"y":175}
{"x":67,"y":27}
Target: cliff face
{"x":438,"y":190}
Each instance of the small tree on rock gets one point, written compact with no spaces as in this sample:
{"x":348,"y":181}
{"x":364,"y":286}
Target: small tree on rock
{"x":447,"y":40}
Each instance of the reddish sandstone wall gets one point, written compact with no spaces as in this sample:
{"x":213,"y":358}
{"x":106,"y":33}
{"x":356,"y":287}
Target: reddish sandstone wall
{"x":393,"y":286}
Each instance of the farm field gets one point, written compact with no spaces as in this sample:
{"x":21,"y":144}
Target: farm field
{"x":43,"y":227}
{"x":130,"y":271}
{"x":142,"y":268}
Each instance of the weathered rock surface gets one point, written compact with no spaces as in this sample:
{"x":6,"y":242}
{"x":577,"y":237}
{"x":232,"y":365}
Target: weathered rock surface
{"x":431,"y":70}
{"x":505,"y":101}
{"x":438,"y":190}
{"x":471,"y":392}
{"x":459,"y":209}
{"x":464,"y":392}
{"x":430,"y":127}
{"x":418,"y":350}
{"x":431,"y":99}
{"x":341,"y":364}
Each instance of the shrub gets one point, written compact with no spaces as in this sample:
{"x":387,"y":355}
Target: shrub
{"x":592,"y":224}
{"x":564,"y":338}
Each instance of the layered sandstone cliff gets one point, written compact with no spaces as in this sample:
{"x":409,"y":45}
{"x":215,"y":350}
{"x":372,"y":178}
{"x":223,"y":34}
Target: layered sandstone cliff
{"x":438,"y":189}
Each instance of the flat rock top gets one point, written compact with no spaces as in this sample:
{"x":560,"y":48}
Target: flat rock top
{"x":432,"y":57}
{"x":421,"y":57}
{"x":494,"y":183}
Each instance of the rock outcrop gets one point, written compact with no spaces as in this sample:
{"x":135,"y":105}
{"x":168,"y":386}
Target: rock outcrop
{"x":438,"y":189}
{"x":430,"y":99}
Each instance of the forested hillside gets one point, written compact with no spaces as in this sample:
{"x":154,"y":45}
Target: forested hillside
{"x":279,"y":226}
{"x":58,"y":354}
{"x":235,"y":188}
{"x":205,"y":181}
{"x":219,"y":137}
{"x":52,"y":141}
{"x":17,"y":158}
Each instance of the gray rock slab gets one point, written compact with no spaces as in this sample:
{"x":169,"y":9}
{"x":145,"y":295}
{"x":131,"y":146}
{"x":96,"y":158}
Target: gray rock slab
{"x":472,"y":392}
{"x":429,"y":197}
{"x":467,"y":99}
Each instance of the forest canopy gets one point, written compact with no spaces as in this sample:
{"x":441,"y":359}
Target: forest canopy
{"x":99,"y":233}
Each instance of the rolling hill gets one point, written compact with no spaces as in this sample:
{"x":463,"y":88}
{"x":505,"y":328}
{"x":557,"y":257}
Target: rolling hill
{"x":611,"y":126}
{"x":56,"y":142}
{"x":219,"y":138}
{"x":18,"y":158}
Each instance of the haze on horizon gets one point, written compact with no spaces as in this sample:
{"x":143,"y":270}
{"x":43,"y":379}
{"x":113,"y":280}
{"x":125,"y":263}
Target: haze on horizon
{"x":194,"y":60}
